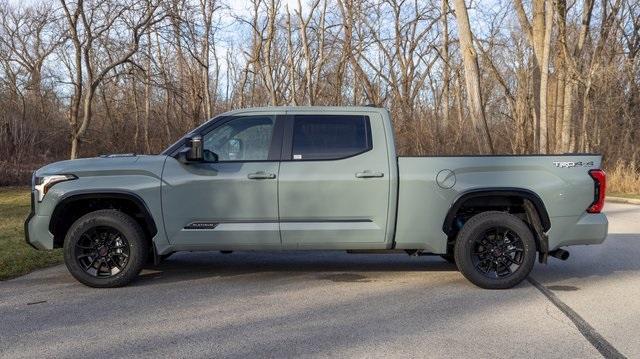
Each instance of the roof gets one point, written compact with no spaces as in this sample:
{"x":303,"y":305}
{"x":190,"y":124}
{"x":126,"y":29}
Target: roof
{"x":306,"y":109}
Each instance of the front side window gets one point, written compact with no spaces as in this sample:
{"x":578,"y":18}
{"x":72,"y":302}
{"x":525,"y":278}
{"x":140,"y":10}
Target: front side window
{"x":245,"y":138}
{"x":324,"y":137}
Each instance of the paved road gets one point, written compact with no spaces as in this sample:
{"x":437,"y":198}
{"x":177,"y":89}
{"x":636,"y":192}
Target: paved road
{"x":330,"y":304}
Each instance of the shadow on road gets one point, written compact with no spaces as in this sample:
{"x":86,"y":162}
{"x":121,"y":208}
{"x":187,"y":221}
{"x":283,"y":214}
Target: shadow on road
{"x":618,"y":254}
{"x":186,"y":266}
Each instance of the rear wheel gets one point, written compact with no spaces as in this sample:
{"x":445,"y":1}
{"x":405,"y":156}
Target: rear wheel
{"x":495,"y":250}
{"x":105,"y":248}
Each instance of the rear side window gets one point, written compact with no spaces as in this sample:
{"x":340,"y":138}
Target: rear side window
{"x":323,"y":137}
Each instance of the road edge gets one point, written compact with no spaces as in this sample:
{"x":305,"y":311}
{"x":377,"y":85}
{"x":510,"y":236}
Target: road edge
{"x":623,"y":200}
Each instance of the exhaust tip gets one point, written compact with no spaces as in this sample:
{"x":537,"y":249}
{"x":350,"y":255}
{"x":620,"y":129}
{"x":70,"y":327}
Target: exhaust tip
{"x":560,"y":254}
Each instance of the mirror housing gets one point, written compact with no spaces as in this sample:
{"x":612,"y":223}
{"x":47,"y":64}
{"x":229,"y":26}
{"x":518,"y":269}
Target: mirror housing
{"x":193,"y":150}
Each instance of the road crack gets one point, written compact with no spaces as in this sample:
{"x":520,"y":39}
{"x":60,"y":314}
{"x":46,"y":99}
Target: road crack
{"x":596,"y":339}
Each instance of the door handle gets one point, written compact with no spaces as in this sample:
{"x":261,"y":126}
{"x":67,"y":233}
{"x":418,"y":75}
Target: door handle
{"x":369,"y":174}
{"x":261,"y":175}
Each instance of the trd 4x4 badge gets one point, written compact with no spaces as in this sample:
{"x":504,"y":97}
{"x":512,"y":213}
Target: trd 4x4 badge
{"x":570,"y":164}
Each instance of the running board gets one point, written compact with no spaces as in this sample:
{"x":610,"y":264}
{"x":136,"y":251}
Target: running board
{"x":411,"y":252}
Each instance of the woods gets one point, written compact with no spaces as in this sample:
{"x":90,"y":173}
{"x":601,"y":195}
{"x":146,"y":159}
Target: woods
{"x":86,"y":77}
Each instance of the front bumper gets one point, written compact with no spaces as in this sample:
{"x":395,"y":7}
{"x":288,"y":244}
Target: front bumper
{"x":36,"y":229}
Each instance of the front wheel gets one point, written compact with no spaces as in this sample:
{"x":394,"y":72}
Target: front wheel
{"x":105,"y":249}
{"x":495,"y":250}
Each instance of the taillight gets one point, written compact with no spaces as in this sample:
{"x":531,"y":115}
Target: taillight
{"x":600,"y":187}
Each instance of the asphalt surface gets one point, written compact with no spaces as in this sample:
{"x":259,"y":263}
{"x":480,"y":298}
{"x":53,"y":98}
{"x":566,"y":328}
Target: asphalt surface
{"x":332,"y":304}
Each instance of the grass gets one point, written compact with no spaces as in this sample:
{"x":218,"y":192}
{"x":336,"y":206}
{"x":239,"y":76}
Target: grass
{"x":16,"y":256}
{"x":623,"y":180}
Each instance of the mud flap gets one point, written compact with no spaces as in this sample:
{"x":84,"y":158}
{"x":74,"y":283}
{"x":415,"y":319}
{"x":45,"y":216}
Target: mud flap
{"x":156,"y":257}
{"x":541,"y":238}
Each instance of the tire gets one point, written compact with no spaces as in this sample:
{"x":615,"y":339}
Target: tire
{"x":495,"y":250}
{"x":105,"y":249}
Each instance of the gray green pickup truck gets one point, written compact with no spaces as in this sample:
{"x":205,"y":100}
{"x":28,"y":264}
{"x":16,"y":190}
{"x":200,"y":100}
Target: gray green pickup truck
{"x":314,"y":178}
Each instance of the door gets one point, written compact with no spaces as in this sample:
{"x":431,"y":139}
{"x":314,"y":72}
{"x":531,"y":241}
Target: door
{"x":334,"y":182}
{"x":232,"y":202}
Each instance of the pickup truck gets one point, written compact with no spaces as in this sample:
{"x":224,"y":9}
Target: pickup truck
{"x":314,"y":178}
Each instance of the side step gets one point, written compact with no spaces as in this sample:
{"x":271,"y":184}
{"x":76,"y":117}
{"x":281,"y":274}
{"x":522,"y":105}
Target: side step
{"x":411,"y":252}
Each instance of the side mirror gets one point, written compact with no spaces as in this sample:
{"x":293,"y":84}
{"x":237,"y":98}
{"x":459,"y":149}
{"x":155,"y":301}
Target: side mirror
{"x":193,"y":150}
{"x":210,"y":156}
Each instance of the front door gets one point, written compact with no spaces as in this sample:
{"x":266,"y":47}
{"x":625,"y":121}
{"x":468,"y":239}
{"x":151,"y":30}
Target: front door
{"x":334,"y":182}
{"x":230,"y":203}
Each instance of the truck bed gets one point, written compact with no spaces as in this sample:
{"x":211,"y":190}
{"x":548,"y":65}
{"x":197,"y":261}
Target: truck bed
{"x":429,"y":186}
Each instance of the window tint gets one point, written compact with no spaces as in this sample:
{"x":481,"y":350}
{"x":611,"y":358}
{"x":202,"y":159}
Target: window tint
{"x":241,"y":139}
{"x":330,"y":137}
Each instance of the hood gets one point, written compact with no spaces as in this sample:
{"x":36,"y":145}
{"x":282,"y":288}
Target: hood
{"x":104,"y":165}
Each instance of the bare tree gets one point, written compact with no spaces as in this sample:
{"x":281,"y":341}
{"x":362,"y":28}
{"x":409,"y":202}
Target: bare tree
{"x":543,"y":146}
{"x":472,"y":78}
{"x":291,"y":61}
{"x":350,"y":16}
{"x":29,"y":38}
{"x":572,"y":66}
{"x":90,"y":30}
{"x":446,"y":63}
{"x":313,"y":62}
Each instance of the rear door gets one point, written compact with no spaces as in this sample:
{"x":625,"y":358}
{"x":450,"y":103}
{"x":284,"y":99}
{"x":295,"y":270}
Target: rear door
{"x":333,"y":182}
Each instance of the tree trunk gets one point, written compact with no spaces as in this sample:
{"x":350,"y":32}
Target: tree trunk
{"x":290,"y":62}
{"x":561,"y":71}
{"x":147,"y":105}
{"x":74,"y":146}
{"x":543,"y":145}
{"x":136,"y":113}
{"x":267,"y":70}
{"x":472,"y":78}
{"x":445,"y":67}
{"x":206,"y":81}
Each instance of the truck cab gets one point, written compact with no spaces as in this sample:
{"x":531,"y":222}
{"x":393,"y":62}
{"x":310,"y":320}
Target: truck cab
{"x":289,"y":179}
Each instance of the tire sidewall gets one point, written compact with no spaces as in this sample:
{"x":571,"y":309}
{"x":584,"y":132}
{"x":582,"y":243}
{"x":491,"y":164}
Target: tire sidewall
{"x":477,"y":226}
{"x":123,"y":223}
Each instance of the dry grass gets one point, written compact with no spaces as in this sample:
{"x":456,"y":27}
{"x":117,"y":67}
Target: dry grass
{"x":623,"y":178}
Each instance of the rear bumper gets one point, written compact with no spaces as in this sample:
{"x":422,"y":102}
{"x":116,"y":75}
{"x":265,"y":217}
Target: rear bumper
{"x":36,"y":229}
{"x":590,"y":228}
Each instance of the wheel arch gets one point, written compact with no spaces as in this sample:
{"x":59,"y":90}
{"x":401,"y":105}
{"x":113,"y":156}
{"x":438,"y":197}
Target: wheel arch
{"x":498,"y":192}
{"x":533,"y":210}
{"x":73,"y":205}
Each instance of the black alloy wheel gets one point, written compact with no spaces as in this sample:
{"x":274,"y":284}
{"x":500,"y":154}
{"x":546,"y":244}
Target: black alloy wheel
{"x":498,"y":252}
{"x":102,"y":251}
{"x":106,"y":248}
{"x":495,"y":250}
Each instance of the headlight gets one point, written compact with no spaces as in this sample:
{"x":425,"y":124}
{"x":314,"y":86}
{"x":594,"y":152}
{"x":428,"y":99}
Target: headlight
{"x":44,"y":183}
